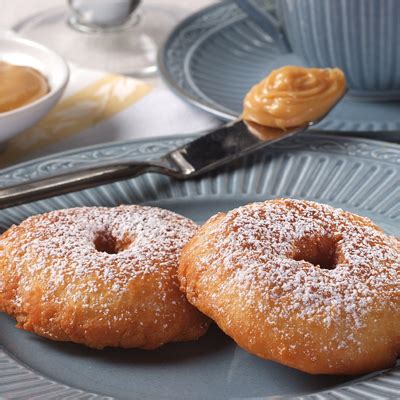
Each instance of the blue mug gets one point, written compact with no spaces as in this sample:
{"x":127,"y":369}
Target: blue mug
{"x":362,"y":37}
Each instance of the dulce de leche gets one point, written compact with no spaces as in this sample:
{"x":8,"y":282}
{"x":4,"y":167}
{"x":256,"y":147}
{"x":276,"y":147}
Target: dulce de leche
{"x":292,"y":96}
{"x":19,"y":86}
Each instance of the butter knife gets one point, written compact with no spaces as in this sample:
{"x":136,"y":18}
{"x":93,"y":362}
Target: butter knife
{"x":201,"y":155}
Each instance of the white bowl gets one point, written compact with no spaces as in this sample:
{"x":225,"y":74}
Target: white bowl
{"x":19,"y":51}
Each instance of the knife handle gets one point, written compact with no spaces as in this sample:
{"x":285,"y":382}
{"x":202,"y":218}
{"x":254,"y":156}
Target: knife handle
{"x":77,"y":180}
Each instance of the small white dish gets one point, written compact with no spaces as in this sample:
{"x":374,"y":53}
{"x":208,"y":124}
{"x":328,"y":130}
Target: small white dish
{"x":19,"y":51}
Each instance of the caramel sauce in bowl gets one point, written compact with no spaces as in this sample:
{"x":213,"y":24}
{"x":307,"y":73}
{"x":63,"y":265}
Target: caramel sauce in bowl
{"x":20,"y":85}
{"x":293,"y":96}
{"x":32,"y":80}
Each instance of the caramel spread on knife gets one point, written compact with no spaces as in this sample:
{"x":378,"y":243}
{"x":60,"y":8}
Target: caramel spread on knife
{"x":19,"y":86}
{"x":292,"y":96}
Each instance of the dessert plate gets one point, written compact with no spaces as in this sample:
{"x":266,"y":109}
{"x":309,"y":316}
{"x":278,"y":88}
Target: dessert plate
{"x":362,"y":176}
{"x":213,"y":58}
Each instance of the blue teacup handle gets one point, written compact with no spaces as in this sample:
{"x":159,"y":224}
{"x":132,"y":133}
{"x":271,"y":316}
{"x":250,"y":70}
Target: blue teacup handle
{"x":266,"y":21}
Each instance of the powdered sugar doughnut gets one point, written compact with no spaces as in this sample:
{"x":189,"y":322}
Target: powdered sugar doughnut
{"x":99,"y":276}
{"x":301,"y":283}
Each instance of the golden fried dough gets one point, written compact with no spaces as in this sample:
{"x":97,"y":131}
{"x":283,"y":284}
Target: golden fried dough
{"x":99,"y":276}
{"x":301,"y":283}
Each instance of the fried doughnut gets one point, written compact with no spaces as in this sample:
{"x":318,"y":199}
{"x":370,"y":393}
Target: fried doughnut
{"x":310,"y":286}
{"x":99,"y":276}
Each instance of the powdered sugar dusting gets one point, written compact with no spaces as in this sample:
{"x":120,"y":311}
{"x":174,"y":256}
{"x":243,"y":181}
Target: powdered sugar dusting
{"x":58,"y":248}
{"x":256,"y":248}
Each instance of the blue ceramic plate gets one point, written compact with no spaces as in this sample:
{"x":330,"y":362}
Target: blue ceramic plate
{"x":213,"y":58}
{"x":358,"y":175}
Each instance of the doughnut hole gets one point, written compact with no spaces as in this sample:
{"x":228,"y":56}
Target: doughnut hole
{"x":105,"y":242}
{"x":323,"y":252}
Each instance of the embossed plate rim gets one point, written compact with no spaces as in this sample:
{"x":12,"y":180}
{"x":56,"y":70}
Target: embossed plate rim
{"x":169,"y":79}
{"x":180,"y":139}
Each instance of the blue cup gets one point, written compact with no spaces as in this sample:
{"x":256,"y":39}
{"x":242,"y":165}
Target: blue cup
{"x":362,"y":37}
